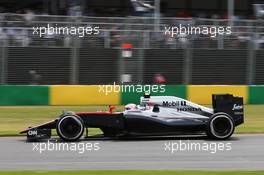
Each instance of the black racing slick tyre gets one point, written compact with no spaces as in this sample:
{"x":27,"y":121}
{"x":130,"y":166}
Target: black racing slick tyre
{"x":70,"y":127}
{"x":220,"y":126}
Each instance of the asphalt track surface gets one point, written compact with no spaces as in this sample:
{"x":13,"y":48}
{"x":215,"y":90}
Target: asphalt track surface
{"x":247,"y":153}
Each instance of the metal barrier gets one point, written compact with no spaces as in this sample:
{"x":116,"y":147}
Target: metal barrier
{"x":18,"y":30}
{"x":95,"y":59}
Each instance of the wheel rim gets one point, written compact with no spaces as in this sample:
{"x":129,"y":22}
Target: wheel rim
{"x":70,"y":127}
{"x":221,"y":126}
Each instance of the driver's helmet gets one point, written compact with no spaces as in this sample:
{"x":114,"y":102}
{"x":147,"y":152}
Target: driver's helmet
{"x":130,"y":106}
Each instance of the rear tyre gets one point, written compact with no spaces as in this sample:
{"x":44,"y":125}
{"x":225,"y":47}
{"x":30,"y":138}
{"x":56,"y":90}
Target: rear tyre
{"x":220,"y":126}
{"x":70,"y":127}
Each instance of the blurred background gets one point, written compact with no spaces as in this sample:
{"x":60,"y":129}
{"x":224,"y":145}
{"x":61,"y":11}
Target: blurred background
{"x":131,"y":46}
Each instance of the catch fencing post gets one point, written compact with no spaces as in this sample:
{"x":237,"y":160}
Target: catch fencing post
{"x":251,"y":63}
{"x":3,"y":61}
{"x":74,"y":75}
{"x":187,"y":64}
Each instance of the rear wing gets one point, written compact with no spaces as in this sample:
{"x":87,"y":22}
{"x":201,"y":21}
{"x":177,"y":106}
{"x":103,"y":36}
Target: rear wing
{"x":229,"y":104}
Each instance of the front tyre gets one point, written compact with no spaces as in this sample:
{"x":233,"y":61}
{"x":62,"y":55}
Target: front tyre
{"x":70,"y":127}
{"x":220,"y":126}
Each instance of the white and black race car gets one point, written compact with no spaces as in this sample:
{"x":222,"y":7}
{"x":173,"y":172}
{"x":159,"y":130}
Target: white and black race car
{"x":155,"y":116}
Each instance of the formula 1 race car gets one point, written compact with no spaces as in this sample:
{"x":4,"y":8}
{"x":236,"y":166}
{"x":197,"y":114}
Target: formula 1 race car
{"x":155,"y":116}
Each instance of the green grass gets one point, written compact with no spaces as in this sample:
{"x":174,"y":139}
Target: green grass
{"x":15,"y":118}
{"x":131,"y":172}
{"x":254,"y":120}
